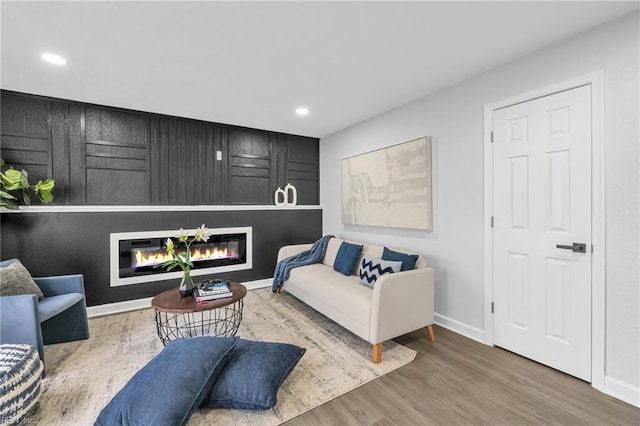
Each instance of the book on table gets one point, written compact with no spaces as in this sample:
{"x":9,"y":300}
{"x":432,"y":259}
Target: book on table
{"x":212,"y":290}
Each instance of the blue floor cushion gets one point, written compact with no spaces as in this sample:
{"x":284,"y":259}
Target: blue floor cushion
{"x":253,"y":375}
{"x":171,"y":386}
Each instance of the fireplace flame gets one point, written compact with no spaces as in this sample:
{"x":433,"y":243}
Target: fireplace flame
{"x":158,"y":257}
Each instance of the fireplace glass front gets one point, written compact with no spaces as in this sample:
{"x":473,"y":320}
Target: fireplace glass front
{"x":144,"y":256}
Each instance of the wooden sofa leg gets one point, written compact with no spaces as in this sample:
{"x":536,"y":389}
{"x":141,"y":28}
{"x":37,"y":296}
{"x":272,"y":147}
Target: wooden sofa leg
{"x":377,"y":353}
{"x":279,"y":290}
{"x":431,"y":335}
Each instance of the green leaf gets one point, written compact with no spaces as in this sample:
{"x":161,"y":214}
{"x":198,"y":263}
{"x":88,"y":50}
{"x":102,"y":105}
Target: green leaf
{"x":44,"y":190}
{"x":8,"y":204}
{"x":44,"y":185}
{"x":1,"y":162}
{"x":45,"y":196}
{"x":26,"y":197}
{"x":14,"y":179}
{"x":7,"y":195}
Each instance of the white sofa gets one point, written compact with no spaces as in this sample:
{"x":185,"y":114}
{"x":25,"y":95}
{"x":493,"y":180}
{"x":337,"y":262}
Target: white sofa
{"x":398,"y":303}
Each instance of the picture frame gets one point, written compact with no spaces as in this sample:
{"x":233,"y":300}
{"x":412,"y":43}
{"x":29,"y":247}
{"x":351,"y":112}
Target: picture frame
{"x":389,"y":187}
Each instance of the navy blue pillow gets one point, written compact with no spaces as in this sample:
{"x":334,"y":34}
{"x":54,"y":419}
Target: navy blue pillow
{"x":346,"y":258}
{"x":253,"y":375}
{"x":408,"y":260}
{"x":171,"y":386}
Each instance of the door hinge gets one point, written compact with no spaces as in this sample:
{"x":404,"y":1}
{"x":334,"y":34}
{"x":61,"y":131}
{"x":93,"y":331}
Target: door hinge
{"x":492,"y":221}
{"x":591,"y":248}
{"x":492,"y":136}
{"x":491,"y":307}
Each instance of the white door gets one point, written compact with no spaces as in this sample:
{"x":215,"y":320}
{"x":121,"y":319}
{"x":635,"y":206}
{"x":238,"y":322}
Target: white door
{"x":542,"y":200}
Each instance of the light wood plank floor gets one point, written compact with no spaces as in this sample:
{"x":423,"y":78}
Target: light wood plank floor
{"x":457,"y":381}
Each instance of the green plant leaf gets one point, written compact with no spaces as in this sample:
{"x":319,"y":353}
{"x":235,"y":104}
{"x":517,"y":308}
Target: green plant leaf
{"x":8,"y":204}
{"x":26,"y":197}
{"x":14,"y":179}
{"x":14,"y":185}
{"x":44,"y":190}
{"x":7,"y":195}
{"x":45,"y":196}
{"x":1,"y":162}
{"x":44,"y":185}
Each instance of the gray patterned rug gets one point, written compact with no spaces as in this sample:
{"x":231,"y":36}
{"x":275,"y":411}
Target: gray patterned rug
{"x":82,"y":377}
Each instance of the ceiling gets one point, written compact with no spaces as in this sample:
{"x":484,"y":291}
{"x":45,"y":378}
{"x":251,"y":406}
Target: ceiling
{"x":253,"y":63}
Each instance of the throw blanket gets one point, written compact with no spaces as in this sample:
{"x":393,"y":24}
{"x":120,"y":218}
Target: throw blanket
{"x":307,"y":257}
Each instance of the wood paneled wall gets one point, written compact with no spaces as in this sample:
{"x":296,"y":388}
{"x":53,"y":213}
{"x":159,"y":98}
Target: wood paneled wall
{"x":102,"y":155}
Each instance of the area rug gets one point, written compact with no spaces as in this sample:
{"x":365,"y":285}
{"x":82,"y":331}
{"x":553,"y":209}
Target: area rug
{"x":82,"y":377}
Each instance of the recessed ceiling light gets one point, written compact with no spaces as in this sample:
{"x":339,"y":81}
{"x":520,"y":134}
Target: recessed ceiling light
{"x":53,"y":58}
{"x":302,"y":111}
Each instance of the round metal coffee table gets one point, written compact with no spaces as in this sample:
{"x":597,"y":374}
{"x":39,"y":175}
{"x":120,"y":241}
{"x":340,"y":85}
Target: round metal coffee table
{"x":179,"y":317}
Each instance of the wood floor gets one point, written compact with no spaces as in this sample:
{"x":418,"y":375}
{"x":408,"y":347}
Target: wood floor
{"x":457,"y":381}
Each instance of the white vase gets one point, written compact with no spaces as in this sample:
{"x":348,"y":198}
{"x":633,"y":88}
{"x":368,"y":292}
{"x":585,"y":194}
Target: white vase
{"x":290,"y":190}
{"x":280,"y":195}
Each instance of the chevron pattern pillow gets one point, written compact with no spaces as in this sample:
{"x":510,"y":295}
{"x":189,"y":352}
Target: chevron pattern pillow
{"x":371,"y":268}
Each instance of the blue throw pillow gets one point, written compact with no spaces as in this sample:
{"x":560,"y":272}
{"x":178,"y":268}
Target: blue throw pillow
{"x":370,"y":269}
{"x":346,"y":258}
{"x":408,"y":260}
{"x":253,"y":375}
{"x":171,"y":386}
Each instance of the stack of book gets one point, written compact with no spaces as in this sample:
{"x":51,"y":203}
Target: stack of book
{"x":211,"y":290}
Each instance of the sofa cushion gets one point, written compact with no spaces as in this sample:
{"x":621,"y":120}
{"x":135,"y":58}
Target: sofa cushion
{"x":16,"y":280}
{"x":332,"y":251}
{"x":253,"y":375}
{"x":52,"y":306}
{"x":372,"y":268}
{"x":408,"y":260}
{"x":171,"y":386}
{"x":347,"y":258}
{"x":341,"y":298}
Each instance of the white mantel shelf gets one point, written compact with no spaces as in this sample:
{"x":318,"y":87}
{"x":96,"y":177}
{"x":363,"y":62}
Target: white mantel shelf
{"x":151,"y":208}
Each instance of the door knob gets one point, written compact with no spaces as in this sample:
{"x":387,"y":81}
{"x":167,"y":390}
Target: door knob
{"x":575,"y":247}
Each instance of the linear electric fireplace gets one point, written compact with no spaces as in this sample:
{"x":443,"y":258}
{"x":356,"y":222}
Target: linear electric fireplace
{"x":136,"y":256}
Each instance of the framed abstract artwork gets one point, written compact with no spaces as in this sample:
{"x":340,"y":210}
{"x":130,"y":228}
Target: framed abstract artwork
{"x":389,"y":187}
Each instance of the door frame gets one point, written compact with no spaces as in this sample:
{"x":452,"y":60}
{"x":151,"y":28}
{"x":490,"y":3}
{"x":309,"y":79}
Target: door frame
{"x":598,"y":279}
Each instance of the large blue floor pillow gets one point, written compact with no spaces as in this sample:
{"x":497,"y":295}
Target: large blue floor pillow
{"x":171,"y":386}
{"x":253,"y":375}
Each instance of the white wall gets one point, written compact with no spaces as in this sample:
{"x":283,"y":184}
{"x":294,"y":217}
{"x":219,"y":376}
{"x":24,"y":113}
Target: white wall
{"x":454,"y":119}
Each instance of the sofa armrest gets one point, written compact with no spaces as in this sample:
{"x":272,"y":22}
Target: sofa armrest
{"x":62,"y":284}
{"x":401,"y":303}
{"x":292,"y":250}
{"x":20,"y":321}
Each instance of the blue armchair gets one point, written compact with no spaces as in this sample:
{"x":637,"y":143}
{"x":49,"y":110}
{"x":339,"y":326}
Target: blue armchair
{"x":60,"y":317}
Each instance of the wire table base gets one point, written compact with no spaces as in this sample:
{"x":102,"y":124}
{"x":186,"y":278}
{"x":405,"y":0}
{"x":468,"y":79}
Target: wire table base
{"x":222,"y":321}
{"x":182,"y":317}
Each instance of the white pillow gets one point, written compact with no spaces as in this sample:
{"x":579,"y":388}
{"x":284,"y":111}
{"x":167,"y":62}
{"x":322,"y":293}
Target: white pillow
{"x":371,"y":268}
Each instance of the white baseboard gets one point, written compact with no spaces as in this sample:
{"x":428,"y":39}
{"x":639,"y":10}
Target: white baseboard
{"x":133,"y":305}
{"x":622,"y":390}
{"x":459,"y":327}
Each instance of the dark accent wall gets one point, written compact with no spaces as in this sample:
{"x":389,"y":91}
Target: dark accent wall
{"x":72,"y":243}
{"x":110,"y":156}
